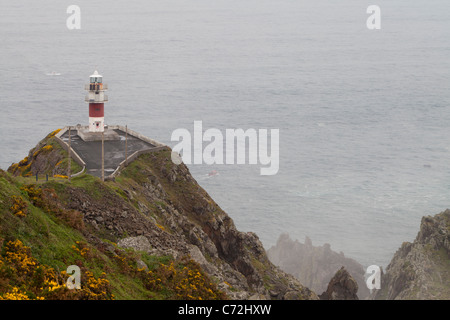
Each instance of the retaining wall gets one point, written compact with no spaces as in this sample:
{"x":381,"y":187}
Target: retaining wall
{"x":158,"y":146}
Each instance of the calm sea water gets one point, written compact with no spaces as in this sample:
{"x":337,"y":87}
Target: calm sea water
{"x":363,"y":115}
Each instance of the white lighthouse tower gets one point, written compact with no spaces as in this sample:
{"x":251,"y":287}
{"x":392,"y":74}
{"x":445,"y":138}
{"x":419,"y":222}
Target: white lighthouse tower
{"x":96,"y":98}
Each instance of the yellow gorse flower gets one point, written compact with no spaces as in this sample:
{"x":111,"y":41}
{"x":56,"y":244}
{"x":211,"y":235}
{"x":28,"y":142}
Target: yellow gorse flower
{"x":35,"y":281}
{"x":19,"y":207}
{"x":184,"y":279}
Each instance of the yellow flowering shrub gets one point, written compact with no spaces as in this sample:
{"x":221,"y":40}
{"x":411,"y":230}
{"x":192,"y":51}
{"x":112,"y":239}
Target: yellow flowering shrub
{"x":96,"y":289}
{"x":34,"y":194}
{"x":19,"y":257}
{"x":15,"y":294}
{"x":81,"y":248}
{"x":60,"y":176}
{"x":44,"y":149}
{"x":184,"y":280}
{"x":21,"y":168}
{"x":47,"y":148}
{"x":23,"y":162}
{"x":23,"y":278}
{"x":19,"y":207}
{"x":53,"y":133}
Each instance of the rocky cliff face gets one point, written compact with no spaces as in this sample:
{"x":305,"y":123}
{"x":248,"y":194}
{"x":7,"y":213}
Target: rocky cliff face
{"x":421,"y":270}
{"x":177,"y":216}
{"x":341,"y":287}
{"x":157,"y":207}
{"x":315,"y":266}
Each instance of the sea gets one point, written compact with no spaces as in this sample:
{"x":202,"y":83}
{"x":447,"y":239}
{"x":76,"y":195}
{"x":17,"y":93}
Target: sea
{"x":363,"y":114}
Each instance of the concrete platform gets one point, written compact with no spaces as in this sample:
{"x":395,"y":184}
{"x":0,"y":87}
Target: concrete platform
{"x":91,"y":151}
{"x":108,"y":135}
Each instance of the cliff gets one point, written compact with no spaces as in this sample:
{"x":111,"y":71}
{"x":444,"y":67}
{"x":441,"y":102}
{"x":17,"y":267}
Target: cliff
{"x":315,"y":266}
{"x":421,"y":269}
{"x":151,"y":233}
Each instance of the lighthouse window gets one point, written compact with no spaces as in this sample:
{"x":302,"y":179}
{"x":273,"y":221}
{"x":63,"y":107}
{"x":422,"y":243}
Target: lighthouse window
{"x":96,"y":80}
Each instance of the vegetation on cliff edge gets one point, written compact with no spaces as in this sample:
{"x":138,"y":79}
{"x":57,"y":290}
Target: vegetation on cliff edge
{"x":39,"y":239}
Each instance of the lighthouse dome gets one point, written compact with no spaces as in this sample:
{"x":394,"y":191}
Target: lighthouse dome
{"x":95,"y":74}
{"x":95,"y":77}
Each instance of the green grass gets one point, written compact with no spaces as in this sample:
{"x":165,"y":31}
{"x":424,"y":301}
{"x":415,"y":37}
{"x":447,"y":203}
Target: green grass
{"x":91,"y":184}
{"x":43,"y":233}
{"x":154,"y":261}
{"x":51,"y":241}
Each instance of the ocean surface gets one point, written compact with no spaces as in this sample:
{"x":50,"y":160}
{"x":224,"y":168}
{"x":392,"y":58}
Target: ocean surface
{"x":363,"y":114}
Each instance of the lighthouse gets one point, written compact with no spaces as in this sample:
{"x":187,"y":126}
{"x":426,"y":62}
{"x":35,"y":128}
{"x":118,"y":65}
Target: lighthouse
{"x":96,"y":98}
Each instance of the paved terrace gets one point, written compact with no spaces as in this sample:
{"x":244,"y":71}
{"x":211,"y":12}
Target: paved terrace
{"x":90,"y":152}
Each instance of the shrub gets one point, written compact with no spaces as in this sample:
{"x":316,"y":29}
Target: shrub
{"x":47,"y":199}
{"x":44,"y":149}
{"x":53,"y":133}
{"x":15,"y":294}
{"x":21,"y":168}
{"x":34,"y":194}
{"x":183,"y":280}
{"x":23,"y":278}
{"x":81,"y":248}
{"x":19,"y":207}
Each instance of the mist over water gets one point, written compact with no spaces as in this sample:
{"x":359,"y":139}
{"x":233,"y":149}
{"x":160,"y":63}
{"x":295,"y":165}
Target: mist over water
{"x":363,"y":115}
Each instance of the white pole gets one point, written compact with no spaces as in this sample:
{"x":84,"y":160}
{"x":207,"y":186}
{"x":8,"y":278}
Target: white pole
{"x":126,"y":145}
{"x":103,"y":157}
{"x":70,"y":159}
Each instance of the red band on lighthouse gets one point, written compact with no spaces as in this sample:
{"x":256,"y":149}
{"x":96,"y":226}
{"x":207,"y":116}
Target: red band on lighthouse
{"x":96,"y":110}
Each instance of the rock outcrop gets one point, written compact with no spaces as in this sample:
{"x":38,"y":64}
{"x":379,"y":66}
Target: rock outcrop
{"x":314,"y":266}
{"x":421,"y":270}
{"x":48,"y":157}
{"x":341,"y":287}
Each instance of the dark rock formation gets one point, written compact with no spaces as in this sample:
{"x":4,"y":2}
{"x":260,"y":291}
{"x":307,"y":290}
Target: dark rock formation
{"x":421,"y":270}
{"x":341,"y":287}
{"x":314,"y":266}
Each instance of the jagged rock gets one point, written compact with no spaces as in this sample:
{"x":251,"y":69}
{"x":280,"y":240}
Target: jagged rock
{"x":141,"y":265}
{"x":421,"y":270}
{"x":341,"y":287}
{"x":198,"y":257}
{"x":314,"y":266}
{"x":139,"y":243}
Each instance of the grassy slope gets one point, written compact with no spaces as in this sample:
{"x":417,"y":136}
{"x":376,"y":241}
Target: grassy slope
{"x":48,"y":237}
{"x":52,"y":240}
